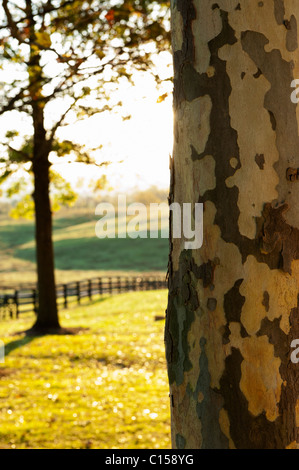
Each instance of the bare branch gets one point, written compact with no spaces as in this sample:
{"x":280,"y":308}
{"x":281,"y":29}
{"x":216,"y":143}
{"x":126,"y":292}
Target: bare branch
{"x":20,"y":152}
{"x":60,"y":121}
{"x":11,"y":104}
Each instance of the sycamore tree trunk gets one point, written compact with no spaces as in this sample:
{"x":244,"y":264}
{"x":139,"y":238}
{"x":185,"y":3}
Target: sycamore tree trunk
{"x":233,"y":308}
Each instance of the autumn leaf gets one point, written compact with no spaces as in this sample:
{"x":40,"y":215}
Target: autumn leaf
{"x":110,"y":16}
{"x":43,"y":39}
{"x":162,"y":97}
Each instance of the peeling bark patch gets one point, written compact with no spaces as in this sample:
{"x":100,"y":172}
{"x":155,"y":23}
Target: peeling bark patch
{"x":289,"y":373}
{"x":209,"y":408}
{"x":279,"y":238}
{"x":279,"y":11}
{"x":260,"y":160}
{"x":291,"y":39}
{"x":187,"y":52}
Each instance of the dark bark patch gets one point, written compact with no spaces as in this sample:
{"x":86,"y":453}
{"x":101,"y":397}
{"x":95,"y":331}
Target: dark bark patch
{"x":205,"y":272}
{"x":291,"y":39}
{"x":195,"y":155}
{"x":279,"y":11}
{"x":272,"y":120}
{"x":260,"y":160}
{"x":233,"y":303}
{"x":266,"y":300}
{"x":258,"y":73}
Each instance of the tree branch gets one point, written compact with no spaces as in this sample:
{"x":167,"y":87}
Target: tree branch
{"x":60,"y":122}
{"x":12,"y":25}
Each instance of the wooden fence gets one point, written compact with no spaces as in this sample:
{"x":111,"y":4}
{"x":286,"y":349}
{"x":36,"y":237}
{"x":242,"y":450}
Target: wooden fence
{"x":14,"y":302}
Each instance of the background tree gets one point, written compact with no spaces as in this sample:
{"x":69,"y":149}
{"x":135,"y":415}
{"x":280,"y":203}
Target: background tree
{"x":63,"y":52}
{"x":233,"y":307}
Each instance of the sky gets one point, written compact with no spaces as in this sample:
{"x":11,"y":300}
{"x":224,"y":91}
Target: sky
{"x":142,"y":143}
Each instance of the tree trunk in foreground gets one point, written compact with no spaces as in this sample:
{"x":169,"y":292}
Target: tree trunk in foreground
{"x":233,"y":307}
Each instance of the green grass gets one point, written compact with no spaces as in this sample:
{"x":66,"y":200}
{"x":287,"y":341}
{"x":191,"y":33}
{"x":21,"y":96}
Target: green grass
{"x":78,"y":252}
{"x":105,"y":387}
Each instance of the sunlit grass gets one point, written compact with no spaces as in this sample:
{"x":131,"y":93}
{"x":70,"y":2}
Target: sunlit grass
{"x":79,"y":254}
{"x":105,"y":387}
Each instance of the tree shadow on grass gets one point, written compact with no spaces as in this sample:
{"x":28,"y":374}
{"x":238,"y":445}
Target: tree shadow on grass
{"x":17,"y":343}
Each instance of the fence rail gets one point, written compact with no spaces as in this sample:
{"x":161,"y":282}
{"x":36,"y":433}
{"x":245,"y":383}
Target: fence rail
{"x":13,"y":302}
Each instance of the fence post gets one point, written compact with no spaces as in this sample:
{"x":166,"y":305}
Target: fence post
{"x":89,"y":289}
{"x":34,"y":300}
{"x":100,"y":286}
{"x":78,"y":291}
{"x":118,"y":284}
{"x":16,"y":298}
{"x":110,"y":288}
{"x":65,"y":295}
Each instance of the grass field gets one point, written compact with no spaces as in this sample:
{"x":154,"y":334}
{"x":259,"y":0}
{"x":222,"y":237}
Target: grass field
{"x":79,"y":254}
{"x":105,"y":387}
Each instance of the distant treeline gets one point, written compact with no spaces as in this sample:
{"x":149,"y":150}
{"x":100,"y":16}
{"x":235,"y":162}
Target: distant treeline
{"x":153,"y":194}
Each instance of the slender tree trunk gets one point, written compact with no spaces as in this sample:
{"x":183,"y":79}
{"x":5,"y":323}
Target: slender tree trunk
{"x":47,"y":315}
{"x":233,"y":307}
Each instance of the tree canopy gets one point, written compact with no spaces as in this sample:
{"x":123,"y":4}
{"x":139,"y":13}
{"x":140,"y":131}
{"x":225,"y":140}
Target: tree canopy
{"x":65,"y":52}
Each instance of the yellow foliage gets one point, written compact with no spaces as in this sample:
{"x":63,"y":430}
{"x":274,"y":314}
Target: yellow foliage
{"x":43,"y":39}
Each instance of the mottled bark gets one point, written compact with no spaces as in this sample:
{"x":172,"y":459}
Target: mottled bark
{"x":233,"y":307}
